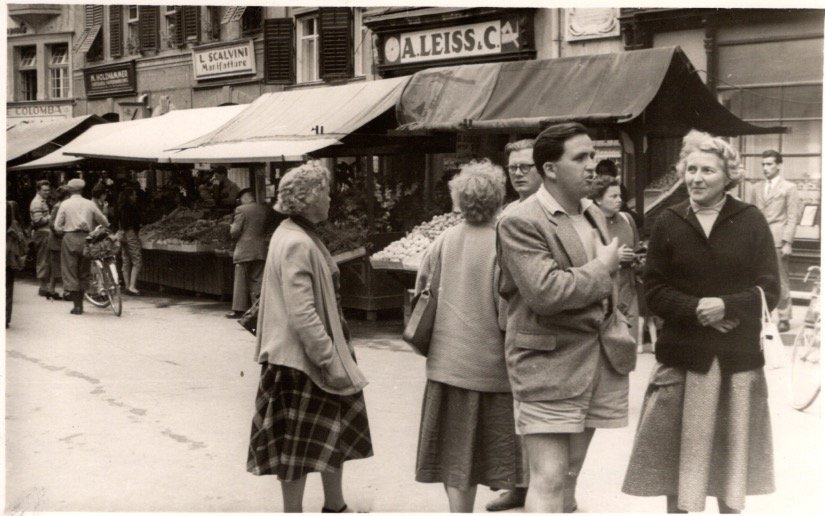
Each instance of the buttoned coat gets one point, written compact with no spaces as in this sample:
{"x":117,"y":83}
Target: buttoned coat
{"x":556,"y":321}
{"x":250,"y":226}
{"x":780,"y":208}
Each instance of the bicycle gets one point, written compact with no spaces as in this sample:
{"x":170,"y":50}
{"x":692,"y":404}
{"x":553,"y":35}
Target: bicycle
{"x":805,"y":381}
{"x":104,"y":286}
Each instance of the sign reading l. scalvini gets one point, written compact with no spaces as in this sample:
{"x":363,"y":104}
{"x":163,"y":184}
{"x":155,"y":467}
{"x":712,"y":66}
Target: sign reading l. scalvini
{"x":224,"y":61}
{"x":475,"y":39}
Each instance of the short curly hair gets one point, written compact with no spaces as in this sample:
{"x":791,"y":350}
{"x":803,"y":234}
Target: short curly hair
{"x":705,"y":142}
{"x":478,"y":190}
{"x":600,"y":185}
{"x":299,"y":188}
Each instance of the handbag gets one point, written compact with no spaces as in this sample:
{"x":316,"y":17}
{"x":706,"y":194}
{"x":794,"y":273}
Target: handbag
{"x":769,"y":339}
{"x":419,"y":329}
{"x":249,"y":319}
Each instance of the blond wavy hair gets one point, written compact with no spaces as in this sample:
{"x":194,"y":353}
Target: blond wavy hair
{"x":478,"y":190}
{"x":299,"y":188}
{"x":705,"y":142}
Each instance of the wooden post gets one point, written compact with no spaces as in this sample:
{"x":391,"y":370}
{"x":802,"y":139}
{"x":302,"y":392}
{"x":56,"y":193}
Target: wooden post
{"x":370,"y":195}
{"x":642,"y":164}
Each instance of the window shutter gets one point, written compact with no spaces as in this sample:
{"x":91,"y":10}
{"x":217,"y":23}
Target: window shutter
{"x":93,"y":15}
{"x":279,"y":41}
{"x":116,"y":30}
{"x":335,"y":42}
{"x":191,"y":23}
{"x":148,"y":21}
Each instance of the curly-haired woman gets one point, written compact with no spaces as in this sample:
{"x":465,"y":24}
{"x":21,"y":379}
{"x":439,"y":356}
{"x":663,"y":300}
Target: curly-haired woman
{"x":467,"y":434}
{"x":705,"y":428}
{"x":310,"y":414}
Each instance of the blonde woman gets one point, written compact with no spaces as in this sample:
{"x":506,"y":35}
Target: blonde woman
{"x":705,"y":428}
{"x":307,"y":418}
{"x":467,"y":435}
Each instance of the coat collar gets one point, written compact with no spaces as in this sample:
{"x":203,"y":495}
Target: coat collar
{"x":567,"y":234}
{"x":729,"y":210}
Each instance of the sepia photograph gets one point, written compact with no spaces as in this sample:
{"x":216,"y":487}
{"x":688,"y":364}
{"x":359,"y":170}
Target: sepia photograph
{"x":370,"y":256}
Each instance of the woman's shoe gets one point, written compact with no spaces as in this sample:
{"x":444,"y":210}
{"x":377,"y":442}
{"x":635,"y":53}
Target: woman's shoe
{"x":130,"y":292}
{"x":342,"y":509}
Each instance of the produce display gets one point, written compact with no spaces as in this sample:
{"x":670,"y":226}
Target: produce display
{"x":664,"y":182}
{"x":185,"y":226}
{"x":407,"y":252}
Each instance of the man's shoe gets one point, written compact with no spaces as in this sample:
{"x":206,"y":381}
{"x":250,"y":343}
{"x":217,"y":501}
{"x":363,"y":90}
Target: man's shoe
{"x":233,"y":315}
{"x":77,"y":298}
{"x":511,"y":499}
{"x":783,"y":326}
{"x":42,"y":292}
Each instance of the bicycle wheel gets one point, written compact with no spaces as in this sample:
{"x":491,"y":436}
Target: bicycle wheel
{"x":112,"y":289}
{"x":805,"y":379}
{"x":95,"y":293}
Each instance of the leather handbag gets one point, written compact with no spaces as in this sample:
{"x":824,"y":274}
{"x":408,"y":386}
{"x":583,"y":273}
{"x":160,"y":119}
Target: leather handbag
{"x":769,"y":339}
{"x":419,"y":329}
{"x":249,"y":320}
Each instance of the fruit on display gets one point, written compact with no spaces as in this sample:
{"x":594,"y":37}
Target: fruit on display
{"x":664,"y":182}
{"x":418,"y":239}
{"x":185,"y":226}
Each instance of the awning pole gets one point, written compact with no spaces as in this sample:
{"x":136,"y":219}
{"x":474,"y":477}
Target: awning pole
{"x":370,"y":196}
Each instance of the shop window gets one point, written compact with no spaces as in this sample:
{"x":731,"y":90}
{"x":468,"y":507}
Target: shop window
{"x":115,"y":30}
{"x":307,"y":51}
{"x":252,"y":20}
{"x":335,"y":43}
{"x":59,"y":71}
{"x":27,"y":73}
{"x":279,"y":38}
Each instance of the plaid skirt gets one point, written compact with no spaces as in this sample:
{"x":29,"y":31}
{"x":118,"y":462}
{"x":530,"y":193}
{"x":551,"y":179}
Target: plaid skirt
{"x":298,"y":428}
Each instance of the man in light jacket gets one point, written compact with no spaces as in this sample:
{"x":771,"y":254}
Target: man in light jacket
{"x":778,"y":200}
{"x":250,"y":226}
{"x":568,"y":349}
{"x":39,"y":212}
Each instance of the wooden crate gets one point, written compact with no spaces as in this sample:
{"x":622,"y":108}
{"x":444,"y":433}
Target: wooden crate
{"x":206,"y":273}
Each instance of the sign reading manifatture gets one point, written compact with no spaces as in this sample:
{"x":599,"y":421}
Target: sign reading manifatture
{"x":475,"y":39}
{"x":109,"y":80}
{"x":224,"y":60}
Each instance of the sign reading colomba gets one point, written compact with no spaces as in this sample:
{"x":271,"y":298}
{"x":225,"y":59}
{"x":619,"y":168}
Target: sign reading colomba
{"x":475,"y":39}
{"x":224,"y":61}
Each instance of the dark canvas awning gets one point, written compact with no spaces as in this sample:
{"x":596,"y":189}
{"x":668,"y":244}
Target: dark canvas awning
{"x":27,"y":141}
{"x":659,"y":87}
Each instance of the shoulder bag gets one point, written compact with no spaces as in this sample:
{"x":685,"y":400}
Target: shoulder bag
{"x":419,"y":329}
{"x":769,"y":339}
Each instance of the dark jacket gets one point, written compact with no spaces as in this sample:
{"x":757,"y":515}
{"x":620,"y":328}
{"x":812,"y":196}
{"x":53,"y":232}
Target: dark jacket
{"x":683,"y":266}
{"x":250,"y":227}
{"x":129,"y":217}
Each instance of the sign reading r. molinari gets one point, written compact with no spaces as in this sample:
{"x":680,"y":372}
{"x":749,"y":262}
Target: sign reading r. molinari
{"x":475,"y":39}
{"x":224,"y":60}
{"x":115,"y":79}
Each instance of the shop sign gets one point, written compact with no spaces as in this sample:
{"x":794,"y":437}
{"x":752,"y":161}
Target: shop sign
{"x":109,"y":80}
{"x":224,"y":61}
{"x":592,"y":23}
{"x":475,"y":39}
{"x":39,"y":112}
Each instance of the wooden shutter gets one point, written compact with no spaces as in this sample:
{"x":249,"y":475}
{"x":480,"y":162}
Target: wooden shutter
{"x":335,"y":42}
{"x":279,"y":49}
{"x":116,"y":30}
{"x":191,"y":23}
{"x":148,"y":27}
{"x":93,"y":15}
{"x":179,"y":38}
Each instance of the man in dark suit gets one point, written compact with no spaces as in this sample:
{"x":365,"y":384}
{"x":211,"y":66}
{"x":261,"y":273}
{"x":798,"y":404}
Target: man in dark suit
{"x":252,"y":223}
{"x":568,"y":350}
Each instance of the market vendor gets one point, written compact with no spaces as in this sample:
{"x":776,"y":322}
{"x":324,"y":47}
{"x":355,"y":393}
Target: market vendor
{"x":224,"y":190}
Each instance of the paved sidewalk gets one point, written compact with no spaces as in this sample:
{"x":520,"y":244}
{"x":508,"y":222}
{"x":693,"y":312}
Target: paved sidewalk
{"x":151,"y":412}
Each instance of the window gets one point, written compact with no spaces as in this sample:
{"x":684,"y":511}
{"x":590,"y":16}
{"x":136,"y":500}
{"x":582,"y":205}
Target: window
{"x":213,"y":23}
{"x":252,"y":19}
{"x":335,"y":43}
{"x":91,"y":42}
{"x":279,"y":44}
{"x":116,"y":30}
{"x":133,"y":31}
{"x":363,"y":45}
{"x":133,"y":13}
{"x":171,"y":27}
{"x":308,"y":49}
{"x":148,"y":27}
{"x":58,"y":71}
{"x":27,"y":73}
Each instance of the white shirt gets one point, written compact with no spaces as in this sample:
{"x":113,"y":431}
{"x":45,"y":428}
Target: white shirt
{"x":587,"y":233}
{"x":707,"y":215}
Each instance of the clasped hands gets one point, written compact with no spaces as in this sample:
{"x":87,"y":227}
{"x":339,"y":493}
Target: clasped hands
{"x":711,"y":312}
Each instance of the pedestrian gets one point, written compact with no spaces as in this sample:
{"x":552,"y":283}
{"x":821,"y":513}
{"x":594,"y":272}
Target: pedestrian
{"x":467,"y":434}
{"x":705,"y":429}
{"x":129,"y":223}
{"x":606,"y":194}
{"x":568,"y":349}
{"x":526,"y":180}
{"x":76,"y":217}
{"x":608,"y":168}
{"x":16,"y":250}
{"x":39,"y":212}
{"x":309,"y":415}
{"x":779,"y":202}
{"x":100,"y":196}
{"x":55,"y":246}
{"x":250,"y":226}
